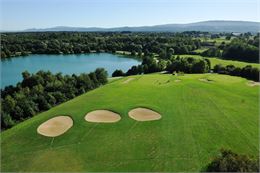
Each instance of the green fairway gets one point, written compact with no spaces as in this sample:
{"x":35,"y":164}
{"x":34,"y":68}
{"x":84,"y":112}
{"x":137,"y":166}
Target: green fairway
{"x":200,"y":50}
{"x":198,"y":118}
{"x":217,"y":41}
{"x":214,"y":61}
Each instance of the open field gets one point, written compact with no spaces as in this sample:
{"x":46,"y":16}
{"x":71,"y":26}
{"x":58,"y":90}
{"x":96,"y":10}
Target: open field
{"x":216,"y":60}
{"x":217,"y":41}
{"x":198,"y":118}
{"x":200,"y":50}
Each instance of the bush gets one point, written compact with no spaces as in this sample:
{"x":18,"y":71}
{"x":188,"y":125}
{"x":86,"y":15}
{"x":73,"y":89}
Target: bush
{"x":229,"y":161}
{"x":117,"y":73}
{"x":212,"y":52}
{"x":247,"y":72}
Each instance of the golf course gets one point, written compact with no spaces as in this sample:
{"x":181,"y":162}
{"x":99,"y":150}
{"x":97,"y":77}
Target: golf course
{"x":194,"y":116}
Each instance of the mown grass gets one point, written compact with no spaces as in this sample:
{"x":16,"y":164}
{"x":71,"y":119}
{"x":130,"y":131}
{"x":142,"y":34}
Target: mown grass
{"x":218,"y":41}
{"x":198,"y":118}
{"x":214,"y":61}
{"x":200,"y":50}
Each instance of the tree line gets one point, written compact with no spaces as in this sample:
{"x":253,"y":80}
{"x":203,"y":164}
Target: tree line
{"x":174,"y":64}
{"x":40,"y":91}
{"x":242,"y":48}
{"x":16,"y":44}
{"x":242,"y":51}
{"x":247,"y":72}
{"x":188,"y":65}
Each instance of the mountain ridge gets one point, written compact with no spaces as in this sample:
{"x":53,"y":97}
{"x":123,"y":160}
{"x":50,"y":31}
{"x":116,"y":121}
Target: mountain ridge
{"x":207,"y":26}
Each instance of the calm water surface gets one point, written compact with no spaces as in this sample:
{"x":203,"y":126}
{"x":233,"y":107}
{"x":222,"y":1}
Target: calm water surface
{"x":11,"y":69}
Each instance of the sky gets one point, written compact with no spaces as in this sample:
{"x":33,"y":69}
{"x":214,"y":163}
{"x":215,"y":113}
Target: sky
{"x":24,"y":14}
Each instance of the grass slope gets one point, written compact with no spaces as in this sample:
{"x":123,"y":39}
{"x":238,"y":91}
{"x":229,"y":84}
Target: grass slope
{"x":198,"y":118}
{"x":215,"y":61}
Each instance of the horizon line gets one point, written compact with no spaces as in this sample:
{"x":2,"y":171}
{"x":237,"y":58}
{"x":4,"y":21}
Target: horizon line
{"x":101,"y":27}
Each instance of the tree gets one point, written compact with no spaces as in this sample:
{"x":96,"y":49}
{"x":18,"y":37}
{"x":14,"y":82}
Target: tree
{"x":208,"y":63}
{"x":230,"y":68}
{"x":199,"y":67}
{"x":8,"y":104}
{"x":255,"y":74}
{"x":77,"y":50}
{"x":219,"y":69}
{"x":228,"y":161}
{"x":118,"y":73}
{"x":101,"y":75}
{"x":6,"y":121}
{"x":42,"y":103}
{"x":3,"y":54}
{"x":212,"y":52}
{"x":28,"y":107}
{"x":59,"y":97}
{"x":170,"y":53}
{"x":236,"y":71}
{"x":132,"y":71}
{"x":228,"y":37}
{"x":26,"y":75}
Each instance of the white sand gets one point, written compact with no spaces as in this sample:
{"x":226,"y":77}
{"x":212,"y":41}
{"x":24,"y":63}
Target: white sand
{"x":102,"y":116}
{"x":144,"y":114}
{"x":55,"y":126}
{"x":205,"y":80}
{"x":252,"y":83}
{"x":128,"y":80}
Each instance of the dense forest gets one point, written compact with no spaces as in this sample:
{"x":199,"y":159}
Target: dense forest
{"x":244,"y":47}
{"x":43,"y":90}
{"x":14,"y":44}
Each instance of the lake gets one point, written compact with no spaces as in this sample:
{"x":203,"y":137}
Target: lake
{"x":11,"y":69}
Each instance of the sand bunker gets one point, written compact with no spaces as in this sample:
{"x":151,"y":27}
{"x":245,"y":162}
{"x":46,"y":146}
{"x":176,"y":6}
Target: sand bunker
{"x":205,"y":80}
{"x":102,"y":116}
{"x":252,"y":83}
{"x":144,"y":114}
{"x":55,"y":126}
{"x":128,"y":80}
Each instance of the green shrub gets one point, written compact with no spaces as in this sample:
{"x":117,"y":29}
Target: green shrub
{"x":229,"y":161}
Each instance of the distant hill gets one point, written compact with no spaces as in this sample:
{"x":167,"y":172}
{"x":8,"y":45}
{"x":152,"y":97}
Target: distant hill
{"x":209,"y":26}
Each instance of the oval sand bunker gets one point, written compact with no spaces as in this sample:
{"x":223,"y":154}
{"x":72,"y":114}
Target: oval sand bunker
{"x":144,"y":114}
{"x":102,"y":116}
{"x":55,"y":126}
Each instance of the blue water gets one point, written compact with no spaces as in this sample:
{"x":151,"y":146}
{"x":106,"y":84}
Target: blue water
{"x":11,"y":69}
